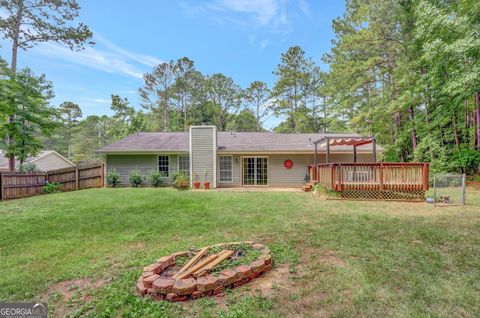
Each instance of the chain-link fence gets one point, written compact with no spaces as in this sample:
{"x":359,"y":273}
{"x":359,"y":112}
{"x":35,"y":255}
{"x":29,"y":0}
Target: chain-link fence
{"x":449,"y":189}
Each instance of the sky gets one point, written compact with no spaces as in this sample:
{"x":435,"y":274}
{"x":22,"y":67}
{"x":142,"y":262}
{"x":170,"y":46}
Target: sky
{"x":242,"y":39}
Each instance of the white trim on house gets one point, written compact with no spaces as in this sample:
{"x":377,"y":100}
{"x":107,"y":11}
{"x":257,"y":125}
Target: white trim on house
{"x":242,"y":175}
{"x":169,"y":164}
{"x":178,"y":161}
{"x":215,"y":146}
{"x":220,"y":169}
{"x":190,"y":155}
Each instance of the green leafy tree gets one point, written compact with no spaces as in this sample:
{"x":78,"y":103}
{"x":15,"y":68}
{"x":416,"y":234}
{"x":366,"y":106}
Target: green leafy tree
{"x":225,"y":96}
{"x":257,"y":96}
{"x":290,"y":90}
{"x":27,"y":97}
{"x":28,"y":22}
{"x":245,"y":120}
{"x":70,"y":114}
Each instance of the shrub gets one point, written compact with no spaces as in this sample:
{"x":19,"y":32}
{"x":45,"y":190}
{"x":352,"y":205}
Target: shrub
{"x":52,"y":187}
{"x":113,"y":178}
{"x":178,"y":174}
{"x":181,"y":182}
{"x":155,"y":178}
{"x":136,"y":178}
{"x":28,"y":167}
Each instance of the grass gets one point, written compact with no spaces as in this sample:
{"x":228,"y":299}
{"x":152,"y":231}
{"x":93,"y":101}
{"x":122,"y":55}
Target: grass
{"x":345,"y":258}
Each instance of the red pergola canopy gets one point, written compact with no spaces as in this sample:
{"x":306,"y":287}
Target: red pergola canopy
{"x":345,"y":141}
{"x":342,"y":141}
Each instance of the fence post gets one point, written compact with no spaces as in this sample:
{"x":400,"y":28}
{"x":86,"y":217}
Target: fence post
{"x":464,"y":190}
{"x":102,"y":182}
{"x":76,"y":178}
{"x":1,"y":186}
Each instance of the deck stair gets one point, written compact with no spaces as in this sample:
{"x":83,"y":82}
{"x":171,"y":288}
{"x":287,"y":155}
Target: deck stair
{"x":308,"y":187}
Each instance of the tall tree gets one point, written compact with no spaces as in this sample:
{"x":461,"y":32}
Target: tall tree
{"x":225,"y":96}
{"x":157,"y":91}
{"x":27,"y":97}
{"x":128,"y":120}
{"x":28,"y":22}
{"x":257,"y":96}
{"x":70,"y":114}
{"x":290,"y":90}
{"x":245,"y":120}
{"x":184,"y":86}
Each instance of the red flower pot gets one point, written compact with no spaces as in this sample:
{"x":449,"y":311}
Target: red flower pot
{"x":196,"y":185}
{"x":206,"y":185}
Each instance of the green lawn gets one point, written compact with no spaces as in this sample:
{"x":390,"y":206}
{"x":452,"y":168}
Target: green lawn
{"x":343,"y":258}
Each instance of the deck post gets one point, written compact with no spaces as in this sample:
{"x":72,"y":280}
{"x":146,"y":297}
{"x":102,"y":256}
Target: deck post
{"x":327,"y":160}
{"x":354,"y":154}
{"x":374,"y":149}
{"x":381,"y":176}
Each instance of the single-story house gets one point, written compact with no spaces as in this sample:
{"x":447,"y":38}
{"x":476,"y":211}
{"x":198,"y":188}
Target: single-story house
{"x":46,"y":160}
{"x":229,"y":159}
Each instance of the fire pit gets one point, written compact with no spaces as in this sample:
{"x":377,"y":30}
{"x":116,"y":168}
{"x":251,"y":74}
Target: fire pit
{"x":204,"y":272}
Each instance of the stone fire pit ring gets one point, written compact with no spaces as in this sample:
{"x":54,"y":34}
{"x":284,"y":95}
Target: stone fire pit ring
{"x":152,"y":283}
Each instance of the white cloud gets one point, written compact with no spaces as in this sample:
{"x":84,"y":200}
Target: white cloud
{"x":257,"y":13}
{"x":304,"y":7}
{"x":264,"y":11}
{"x":98,"y":100}
{"x":112,"y":59}
{"x":141,"y":58}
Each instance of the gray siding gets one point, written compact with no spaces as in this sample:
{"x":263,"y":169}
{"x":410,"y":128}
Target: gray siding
{"x":203,"y":153}
{"x":279,"y":176}
{"x":124,"y":164}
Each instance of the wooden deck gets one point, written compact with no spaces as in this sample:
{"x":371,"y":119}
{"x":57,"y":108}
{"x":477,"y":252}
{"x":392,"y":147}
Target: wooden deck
{"x":391,"y":178}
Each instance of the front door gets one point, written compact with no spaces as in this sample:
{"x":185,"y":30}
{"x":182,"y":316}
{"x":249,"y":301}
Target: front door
{"x":255,"y":171}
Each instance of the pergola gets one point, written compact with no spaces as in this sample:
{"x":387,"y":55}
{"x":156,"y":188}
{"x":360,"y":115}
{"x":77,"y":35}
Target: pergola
{"x":344,"y":141}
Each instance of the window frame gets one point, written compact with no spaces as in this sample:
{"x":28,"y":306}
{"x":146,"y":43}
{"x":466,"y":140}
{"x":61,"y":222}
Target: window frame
{"x":168,"y":167}
{"x":178,"y":164}
{"x":220,"y":169}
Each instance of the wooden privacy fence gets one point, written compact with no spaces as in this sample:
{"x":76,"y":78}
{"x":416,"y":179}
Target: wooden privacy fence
{"x":14,"y":185}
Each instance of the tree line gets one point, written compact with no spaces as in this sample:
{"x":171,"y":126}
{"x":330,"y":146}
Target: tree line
{"x":406,"y":72}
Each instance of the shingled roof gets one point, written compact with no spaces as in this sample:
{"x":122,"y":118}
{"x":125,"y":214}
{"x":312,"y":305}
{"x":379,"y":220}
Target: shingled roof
{"x":227,"y":142}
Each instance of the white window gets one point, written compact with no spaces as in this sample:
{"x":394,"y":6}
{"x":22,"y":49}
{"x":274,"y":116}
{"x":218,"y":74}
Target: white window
{"x":184,"y":164}
{"x":164,"y":165}
{"x":226,"y":168}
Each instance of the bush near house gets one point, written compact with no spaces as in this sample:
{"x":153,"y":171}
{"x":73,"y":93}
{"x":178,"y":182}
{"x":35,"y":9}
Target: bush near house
{"x":136,"y":178}
{"x":181,"y":181}
{"x":113,"y":178}
{"x":155,"y":178}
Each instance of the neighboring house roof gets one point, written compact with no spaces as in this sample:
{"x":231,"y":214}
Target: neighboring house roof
{"x":227,"y":142}
{"x":40,"y":155}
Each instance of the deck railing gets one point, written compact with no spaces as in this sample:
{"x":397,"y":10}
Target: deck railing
{"x":411,"y":176}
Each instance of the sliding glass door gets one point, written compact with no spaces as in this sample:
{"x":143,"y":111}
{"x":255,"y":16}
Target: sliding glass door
{"x":255,"y":171}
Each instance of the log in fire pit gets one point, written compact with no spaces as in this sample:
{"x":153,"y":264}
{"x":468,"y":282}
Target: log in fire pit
{"x":204,"y":272}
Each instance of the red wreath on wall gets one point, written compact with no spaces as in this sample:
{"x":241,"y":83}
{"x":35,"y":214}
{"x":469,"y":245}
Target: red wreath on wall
{"x":288,"y":164}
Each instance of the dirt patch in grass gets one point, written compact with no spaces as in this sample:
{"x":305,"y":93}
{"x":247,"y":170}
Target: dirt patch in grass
{"x":60,"y":293}
{"x":278,"y":279}
{"x":329,"y":257}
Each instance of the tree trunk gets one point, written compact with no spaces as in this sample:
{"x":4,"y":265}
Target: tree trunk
{"x":477,"y":120}
{"x":414,"y":132}
{"x":11,"y":118}
{"x":455,"y":132}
